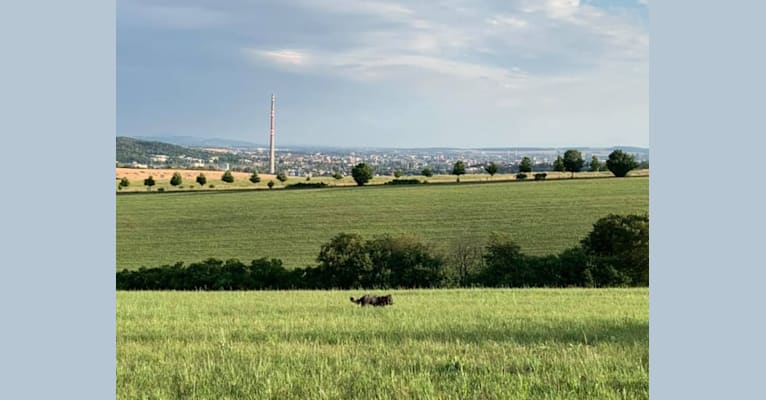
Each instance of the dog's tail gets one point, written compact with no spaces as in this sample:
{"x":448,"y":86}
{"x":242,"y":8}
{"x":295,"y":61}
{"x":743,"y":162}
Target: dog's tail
{"x":352,"y":300}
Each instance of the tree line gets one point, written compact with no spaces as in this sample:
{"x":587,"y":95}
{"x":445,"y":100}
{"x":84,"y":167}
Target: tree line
{"x":618,"y":163}
{"x":614,"y":253}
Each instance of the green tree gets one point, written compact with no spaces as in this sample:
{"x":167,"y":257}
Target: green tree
{"x":176,"y":179}
{"x":573,"y":161}
{"x":124,"y":182}
{"x":620,"y":243}
{"x":401,"y":262}
{"x":227,"y":177}
{"x":270,"y":184}
{"x":149,"y":182}
{"x":505,"y":265}
{"x":343,"y":261}
{"x":254,"y":178}
{"x":282,"y":177}
{"x":491,"y":169}
{"x":595,"y":164}
{"x":201,"y":179}
{"x":558,"y":165}
{"x":362,"y":173}
{"x":427,"y":172}
{"x":465,"y":258}
{"x":525,"y":165}
{"x":397,"y":174}
{"x":620,"y":163}
{"x":458,"y":169}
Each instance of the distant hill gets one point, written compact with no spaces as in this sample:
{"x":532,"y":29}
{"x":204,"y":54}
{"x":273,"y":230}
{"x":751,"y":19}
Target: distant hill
{"x":137,"y":151}
{"x":191,"y":141}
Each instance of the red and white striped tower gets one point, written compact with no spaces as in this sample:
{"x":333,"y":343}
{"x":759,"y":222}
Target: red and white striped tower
{"x":271,"y":138}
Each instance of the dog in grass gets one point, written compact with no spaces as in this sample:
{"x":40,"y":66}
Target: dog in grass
{"x":374,"y":300}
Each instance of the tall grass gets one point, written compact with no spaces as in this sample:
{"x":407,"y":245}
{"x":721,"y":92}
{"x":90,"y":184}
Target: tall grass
{"x":451,"y":344}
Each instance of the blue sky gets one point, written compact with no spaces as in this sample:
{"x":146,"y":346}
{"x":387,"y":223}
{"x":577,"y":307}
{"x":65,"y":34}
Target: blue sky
{"x":446,"y":73}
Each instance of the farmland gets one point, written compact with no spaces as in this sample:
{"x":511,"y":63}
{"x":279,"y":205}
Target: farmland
{"x":543,"y":217}
{"x":162,"y":177}
{"x":466,"y":343}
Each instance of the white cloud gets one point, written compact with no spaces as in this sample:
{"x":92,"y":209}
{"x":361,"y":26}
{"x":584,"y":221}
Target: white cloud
{"x":361,"y":64}
{"x":508,"y":21}
{"x":288,"y":57}
{"x":561,"y":8}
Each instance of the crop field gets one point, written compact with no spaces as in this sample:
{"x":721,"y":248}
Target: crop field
{"x":446,"y":344}
{"x":162,"y":177}
{"x":543,"y":217}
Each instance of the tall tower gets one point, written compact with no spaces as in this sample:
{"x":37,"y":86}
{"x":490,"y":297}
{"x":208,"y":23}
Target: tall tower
{"x":271,"y":138}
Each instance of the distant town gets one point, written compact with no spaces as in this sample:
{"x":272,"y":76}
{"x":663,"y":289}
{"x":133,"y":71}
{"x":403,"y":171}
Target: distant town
{"x":327,"y":161}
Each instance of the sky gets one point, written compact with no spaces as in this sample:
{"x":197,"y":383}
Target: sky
{"x":374,"y":73}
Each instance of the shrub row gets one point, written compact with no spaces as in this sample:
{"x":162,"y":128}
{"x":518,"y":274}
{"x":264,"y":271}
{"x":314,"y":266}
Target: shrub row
{"x":615,"y":253}
{"x":410,"y":181}
{"x":306,"y":185}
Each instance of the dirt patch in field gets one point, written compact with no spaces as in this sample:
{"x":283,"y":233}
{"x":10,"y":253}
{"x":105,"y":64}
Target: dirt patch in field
{"x":188,"y":175}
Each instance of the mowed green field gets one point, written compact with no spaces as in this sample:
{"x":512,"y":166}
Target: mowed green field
{"x":543,"y":217}
{"x":445,"y":344}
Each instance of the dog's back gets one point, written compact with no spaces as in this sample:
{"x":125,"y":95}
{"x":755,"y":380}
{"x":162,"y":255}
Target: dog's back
{"x":364,"y":300}
{"x":374,"y":300}
{"x":383,"y":300}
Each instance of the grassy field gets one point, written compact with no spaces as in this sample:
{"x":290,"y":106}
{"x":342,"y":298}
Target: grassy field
{"x":543,"y":217}
{"x":446,"y":344}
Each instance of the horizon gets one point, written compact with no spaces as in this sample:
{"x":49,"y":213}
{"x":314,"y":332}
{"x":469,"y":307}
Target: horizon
{"x":383,"y":74}
{"x":263,"y":146}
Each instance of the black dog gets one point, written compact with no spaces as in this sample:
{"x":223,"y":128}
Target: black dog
{"x":374,"y":300}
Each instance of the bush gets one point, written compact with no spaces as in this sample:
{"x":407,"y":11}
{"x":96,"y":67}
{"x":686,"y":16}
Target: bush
{"x":201,"y":179}
{"x":620,"y":242}
{"x":306,"y":185}
{"x":521,"y":176}
{"x":540,"y":176}
{"x":211,"y":186}
{"x":162,"y":189}
{"x":505,"y":264}
{"x":149,"y":182}
{"x":176,"y":179}
{"x":410,"y":181}
{"x":227,"y":177}
{"x":210,"y":274}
